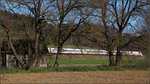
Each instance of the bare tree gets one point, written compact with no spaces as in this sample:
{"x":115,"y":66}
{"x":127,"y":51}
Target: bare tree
{"x":105,"y":31}
{"x":116,"y":17}
{"x":37,"y":10}
{"x":122,"y":12}
{"x":65,"y":8}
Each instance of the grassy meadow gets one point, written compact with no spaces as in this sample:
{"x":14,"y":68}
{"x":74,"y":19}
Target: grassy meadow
{"x":85,"y":65}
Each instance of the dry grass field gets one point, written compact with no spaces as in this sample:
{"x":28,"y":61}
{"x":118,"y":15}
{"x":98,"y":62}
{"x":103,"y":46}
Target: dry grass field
{"x":78,"y":77}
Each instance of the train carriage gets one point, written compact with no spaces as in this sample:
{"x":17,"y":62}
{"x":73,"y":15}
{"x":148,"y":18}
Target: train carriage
{"x":92,"y":52}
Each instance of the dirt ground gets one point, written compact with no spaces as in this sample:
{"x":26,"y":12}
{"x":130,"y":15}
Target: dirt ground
{"x":78,"y":77}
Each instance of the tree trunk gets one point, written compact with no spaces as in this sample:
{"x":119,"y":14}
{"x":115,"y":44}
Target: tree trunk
{"x":36,"y":45}
{"x":32,"y":63}
{"x":118,"y":57}
{"x":38,"y":62}
{"x":59,"y":45}
{"x":118,"y":54}
{"x":111,"y":59}
{"x":15,"y":53}
{"x":34,"y":58}
{"x":56,"y":64}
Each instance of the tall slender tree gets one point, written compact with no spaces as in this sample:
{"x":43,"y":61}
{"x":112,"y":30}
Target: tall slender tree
{"x":66,"y":8}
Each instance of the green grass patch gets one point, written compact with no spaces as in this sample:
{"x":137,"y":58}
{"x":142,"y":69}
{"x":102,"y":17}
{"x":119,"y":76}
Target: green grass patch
{"x":125,"y":65}
{"x":73,"y":69}
{"x":84,"y":62}
{"x":137,"y":61}
{"x":80,"y":61}
{"x":124,"y":62}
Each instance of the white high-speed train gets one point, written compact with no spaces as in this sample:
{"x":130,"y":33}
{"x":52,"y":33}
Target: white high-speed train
{"x":91,"y":51}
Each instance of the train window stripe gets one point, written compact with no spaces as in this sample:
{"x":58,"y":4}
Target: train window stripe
{"x":88,"y":51}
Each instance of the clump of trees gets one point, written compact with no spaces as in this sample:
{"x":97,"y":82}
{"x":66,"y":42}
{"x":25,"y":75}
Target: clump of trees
{"x":38,"y":23}
{"x":117,"y":17}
